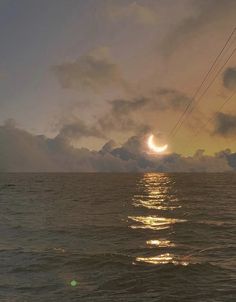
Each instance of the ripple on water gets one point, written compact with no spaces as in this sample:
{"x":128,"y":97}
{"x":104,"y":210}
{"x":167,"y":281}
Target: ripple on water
{"x":166,"y":258}
{"x":153,"y":222}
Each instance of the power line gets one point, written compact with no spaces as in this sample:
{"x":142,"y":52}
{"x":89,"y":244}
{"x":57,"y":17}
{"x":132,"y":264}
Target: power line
{"x":181,"y":120}
{"x":204,"y":92}
{"x":203,"y":82}
{"x":219,"y":109}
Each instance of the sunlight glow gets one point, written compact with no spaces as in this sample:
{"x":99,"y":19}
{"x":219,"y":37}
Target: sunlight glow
{"x":155,"y":148}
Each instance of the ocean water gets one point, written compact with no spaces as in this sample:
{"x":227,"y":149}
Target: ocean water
{"x":118,"y":237}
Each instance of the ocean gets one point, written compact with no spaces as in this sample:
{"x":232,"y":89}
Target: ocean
{"x":117,"y":237}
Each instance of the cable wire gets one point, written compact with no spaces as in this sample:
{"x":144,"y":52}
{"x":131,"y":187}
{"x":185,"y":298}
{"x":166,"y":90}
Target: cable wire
{"x":173,"y":130}
{"x":204,"y":92}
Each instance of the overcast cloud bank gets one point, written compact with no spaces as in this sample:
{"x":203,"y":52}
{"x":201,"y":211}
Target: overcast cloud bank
{"x":22,"y":151}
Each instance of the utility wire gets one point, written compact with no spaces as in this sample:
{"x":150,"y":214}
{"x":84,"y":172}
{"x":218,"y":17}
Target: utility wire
{"x":210,"y":119}
{"x":219,"y":109}
{"x":203,"y":82}
{"x":203,"y":94}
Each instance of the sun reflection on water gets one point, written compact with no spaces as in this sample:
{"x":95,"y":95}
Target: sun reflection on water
{"x":160,"y":243}
{"x":153,"y":222}
{"x":162,"y":259}
{"x":156,"y":193}
{"x":157,"y":196}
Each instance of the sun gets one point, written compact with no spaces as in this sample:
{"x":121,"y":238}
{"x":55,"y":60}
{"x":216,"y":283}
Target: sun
{"x":155,"y":148}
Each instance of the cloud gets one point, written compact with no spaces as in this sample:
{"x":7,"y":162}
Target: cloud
{"x":229,"y":78}
{"x":170,"y":99}
{"x":121,"y":116}
{"x":134,"y":115}
{"x":22,"y":151}
{"x":78,"y":129}
{"x":229,"y":156}
{"x":94,"y":71}
{"x":131,"y":116}
{"x":225,"y":124}
{"x":139,"y":13}
{"x":135,"y":149}
{"x":206,"y":13}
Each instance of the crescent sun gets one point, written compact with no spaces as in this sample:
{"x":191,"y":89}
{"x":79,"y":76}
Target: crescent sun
{"x":153,"y":147}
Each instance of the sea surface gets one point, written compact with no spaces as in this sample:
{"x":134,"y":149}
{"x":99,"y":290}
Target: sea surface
{"x":117,"y":237}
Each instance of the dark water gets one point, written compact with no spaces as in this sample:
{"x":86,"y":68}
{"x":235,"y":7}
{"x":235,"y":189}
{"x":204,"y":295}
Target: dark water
{"x":122,"y":237}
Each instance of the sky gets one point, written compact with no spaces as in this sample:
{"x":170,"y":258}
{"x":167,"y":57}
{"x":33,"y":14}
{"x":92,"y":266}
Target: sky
{"x":83,"y":83}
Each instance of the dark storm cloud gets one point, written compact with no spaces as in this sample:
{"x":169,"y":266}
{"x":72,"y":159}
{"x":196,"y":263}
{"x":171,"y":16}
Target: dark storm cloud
{"x":229,"y":78}
{"x":94,"y":71}
{"x":207,"y":12}
{"x":225,"y":124}
{"x":22,"y":151}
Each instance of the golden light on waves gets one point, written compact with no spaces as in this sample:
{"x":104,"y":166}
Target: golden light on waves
{"x":156,"y":195}
{"x":162,"y":259}
{"x":153,"y":222}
